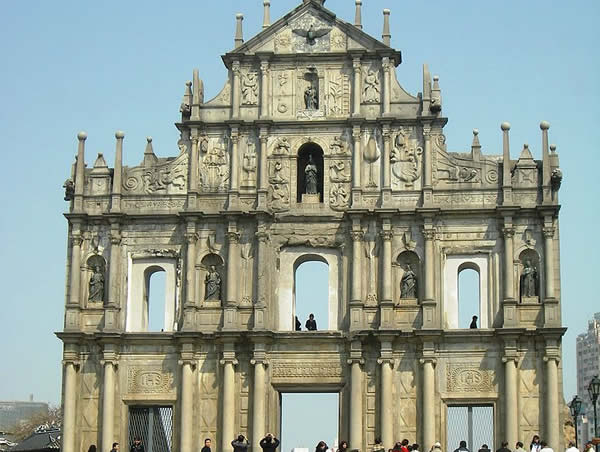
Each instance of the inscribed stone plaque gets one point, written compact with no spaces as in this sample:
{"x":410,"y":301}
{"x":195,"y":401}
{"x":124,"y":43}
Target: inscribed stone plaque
{"x":468,"y":377}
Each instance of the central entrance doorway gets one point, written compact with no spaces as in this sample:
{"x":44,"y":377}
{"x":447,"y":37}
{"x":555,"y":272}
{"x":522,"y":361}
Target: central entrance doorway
{"x":307,"y":418}
{"x":473,"y":424}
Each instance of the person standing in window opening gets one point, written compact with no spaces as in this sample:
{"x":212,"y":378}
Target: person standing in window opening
{"x":310,"y":176}
{"x":321,"y":446}
{"x":269,"y":443}
{"x":343,"y":447}
{"x":473,"y":325}
{"x":535,"y":445}
{"x":115,"y":447}
{"x":240,"y":444}
{"x":298,"y":324}
{"x":207,"y":443}
{"x":462,"y":447}
{"x":311,"y":323}
{"x":137,"y":445}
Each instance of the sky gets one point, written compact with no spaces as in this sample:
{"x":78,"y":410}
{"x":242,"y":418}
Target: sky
{"x":103,"y":66}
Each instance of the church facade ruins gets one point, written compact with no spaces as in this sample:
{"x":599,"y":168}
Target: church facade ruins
{"x":311,"y":151}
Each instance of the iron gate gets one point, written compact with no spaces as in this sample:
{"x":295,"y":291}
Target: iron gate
{"x":153,"y":425}
{"x":471,"y":423}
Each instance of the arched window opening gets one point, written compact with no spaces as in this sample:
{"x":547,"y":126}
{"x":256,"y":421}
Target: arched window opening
{"x":155,"y":299}
{"x":469,"y":300}
{"x":310,"y":170}
{"x":311,"y":294}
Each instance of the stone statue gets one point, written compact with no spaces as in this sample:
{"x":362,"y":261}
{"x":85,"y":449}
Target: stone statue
{"x":250,"y":89}
{"x":310,"y":175}
{"x":96,"y":285}
{"x":311,"y":98}
{"x":529,"y":280}
{"x":408,"y":283}
{"x":213,"y":284}
{"x":371,"y":90}
{"x":69,"y":187}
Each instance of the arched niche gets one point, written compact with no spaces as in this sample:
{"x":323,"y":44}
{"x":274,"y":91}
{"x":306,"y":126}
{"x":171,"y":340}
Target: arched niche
{"x":209,"y":265}
{"x":529,"y":276}
{"x":95,"y":271}
{"x":408,"y":264}
{"x":141,"y":270}
{"x":290,"y":259}
{"x":305,"y":152}
{"x":453,"y":265}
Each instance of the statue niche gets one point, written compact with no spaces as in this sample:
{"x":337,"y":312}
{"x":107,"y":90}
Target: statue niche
{"x":212,"y":264}
{"x":529,"y":282}
{"x":408,"y":277}
{"x":96,"y":286}
{"x":310,"y":174}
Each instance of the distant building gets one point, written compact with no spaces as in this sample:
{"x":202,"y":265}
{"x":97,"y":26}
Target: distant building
{"x":12,"y":412}
{"x":588,"y":365}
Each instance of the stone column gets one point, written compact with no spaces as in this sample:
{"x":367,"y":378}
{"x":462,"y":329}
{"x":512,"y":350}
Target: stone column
{"x":191,"y":237}
{"x":387,"y":147}
{"x":235,"y":92}
{"x":110,"y":364}
{"x":187,"y":404}
{"x":387,"y":84}
{"x":509,"y":302}
{"x":511,"y":424}
{"x":428,"y":304}
{"x":356,"y":405}
{"x":111,"y":321}
{"x":356,"y":165}
{"x":193,"y":176}
{"x":548,"y":232}
{"x":552,"y":409}
{"x":427,"y":167}
{"x":235,"y":164}
{"x":228,"y":409}
{"x":233,"y":257}
{"x":356,"y":302}
{"x":385,"y":396}
{"x":69,"y":404}
{"x":259,"y":396}
{"x":263,"y":176}
{"x":264,"y":89}
{"x":74,"y":286}
{"x":262,"y":284}
{"x":357,"y":88}
{"x":428,"y":402}
{"x":386,"y":305}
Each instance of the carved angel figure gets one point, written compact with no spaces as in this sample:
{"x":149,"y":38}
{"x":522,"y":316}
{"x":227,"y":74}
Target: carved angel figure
{"x":371,"y":90}
{"x":250,"y":89}
{"x":311,"y":34}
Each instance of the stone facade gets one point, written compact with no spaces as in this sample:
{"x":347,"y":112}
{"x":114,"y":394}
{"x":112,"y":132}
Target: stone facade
{"x":229,"y":218}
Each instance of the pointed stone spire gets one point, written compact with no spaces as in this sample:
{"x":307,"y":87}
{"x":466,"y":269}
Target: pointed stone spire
{"x":118,"y":173}
{"x":80,"y":171}
{"x":426,"y":90}
{"x":239,"y":34}
{"x":546,"y":173}
{"x":358,"y":15}
{"x":100,"y":162}
{"x":506,"y":171}
{"x":436,"y":96}
{"x":150,"y":158}
{"x":266,"y":13}
{"x":476,"y":146}
{"x":197,"y":96}
{"x":386,"y":35}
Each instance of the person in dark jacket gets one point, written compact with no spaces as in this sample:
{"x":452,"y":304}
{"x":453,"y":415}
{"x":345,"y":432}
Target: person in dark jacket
{"x":207,"y":443}
{"x":473,"y":325}
{"x":137,"y":445}
{"x":343,"y":447}
{"x":322,"y":446}
{"x":504,"y":447}
{"x":269,"y":443}
{"x":240,"y":444}
{"x":311,"y":323}
{"x":298,"y":324}
{"x":462,"y":447}
{"x":115,"y":447}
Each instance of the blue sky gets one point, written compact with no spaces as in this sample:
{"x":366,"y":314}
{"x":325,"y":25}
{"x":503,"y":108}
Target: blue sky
{"x":103,"y":66}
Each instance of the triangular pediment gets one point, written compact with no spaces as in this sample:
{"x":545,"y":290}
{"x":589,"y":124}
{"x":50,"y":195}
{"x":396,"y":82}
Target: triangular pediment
{"x":311,"y":29}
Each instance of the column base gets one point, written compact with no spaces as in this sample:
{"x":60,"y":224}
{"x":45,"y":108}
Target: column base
{"x":428,"y":308}
{"x":262,"y":200}
{"x":427,"y":197}
{"x":386,"y":315}
{"x":551,"y":312}
{"x":386,"y":197}
{"x":230,"y":318}
{"x":111,"y":318}
{"x":510,"y":313}
{"x":189,"y":318}
{"x":192,"y":201}
{"x":233,"y":200}
{"x":259,"y":317}
{"x":356,"y":197}
{"x":356,"y":316}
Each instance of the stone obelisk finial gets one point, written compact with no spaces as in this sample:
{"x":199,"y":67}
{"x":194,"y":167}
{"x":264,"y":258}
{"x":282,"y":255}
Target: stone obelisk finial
{"x":358,"y":15}
{"x":386,"y":35}
{"x":267,"y":13}
{"x":506,"y":174}
{"x":239,"y":35}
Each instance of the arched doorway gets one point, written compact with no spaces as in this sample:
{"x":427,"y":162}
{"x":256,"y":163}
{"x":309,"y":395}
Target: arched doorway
{"x":306,"y":153}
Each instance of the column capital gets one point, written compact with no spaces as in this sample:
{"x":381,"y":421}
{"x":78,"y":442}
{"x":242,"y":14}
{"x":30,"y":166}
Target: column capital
{"x":426,"y":131}
{"x":77,"y":239}
{"x":511,"y":358}
{"x":508,"y":232}
{"x":386,"y":360}
{"x":355,"y":360}
{"x":428,"y":233}
{"x":228,"y":360}
{"x":259,"y":360}
{"x":235,"y":67}
{"x":552,"y":357}
{"x":386,"y":235}
{"x":357,"y":236}
{"x":114,"y":361}
{"x":115,"y":237}
{"x":191,"y":238}
{"x":233,"y":236}
{"x":548,"y":232}
{"x":262,"y":236}
{"x":356,"y":63}
{"x":75,"y":362}
{"x":385,"y":63}
{"x":187,"y":361}
{"x":428,"y":359}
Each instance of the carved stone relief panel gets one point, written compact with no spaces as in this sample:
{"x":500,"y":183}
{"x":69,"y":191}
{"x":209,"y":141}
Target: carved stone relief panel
{"x":249,"y":88}
{"x":285,"y":371}
{"x":283,"y":93}
{"x":249,"y":162}
{"x":529,"y":389}
{"x":371,"y":86}
{"x":310,"y":93}
{"x":283,"y":41}
{"x":468,"y":377}
{"x":310,"y":34}
{"x":405,"y":383}
{"x":148,"y":379}
{"x":339,"y":187}
{"x":214,"y":165}
{"x":167,"y":177}
{"x":338,"y":93}
{"x":337,"y":40}
{"x":91,"y":372}
{"x":406,"y":160}
{"x":371,"y":399}
{"x":279,"y":185}
{"x":208,"y":398}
